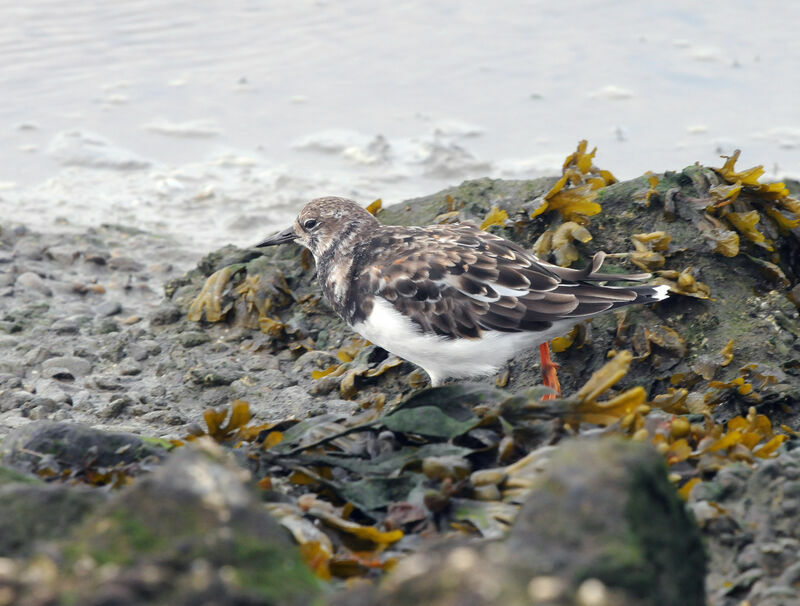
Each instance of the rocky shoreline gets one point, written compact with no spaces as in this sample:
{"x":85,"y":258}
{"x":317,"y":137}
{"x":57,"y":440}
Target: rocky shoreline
{"x":95,"y":329}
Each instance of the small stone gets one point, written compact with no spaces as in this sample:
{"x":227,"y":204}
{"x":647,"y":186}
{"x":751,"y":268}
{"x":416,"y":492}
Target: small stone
{"x":212,"y":377}
{"x":129,"y":369}
{"x":32,"y":281}
{"x":106,"y":382}
{"x":141,"y":350}
{"x":51,"y":389}
{"x":165,"y":314}
{"x":116,"y":407}
{"x":15,"y":399}
{"x":193,"y":338}
{"x":106,"y":326}
{"x":108,"y":308}
{"x":7,"y":342}
{"x":546,"y":588}
{"x":96,"y":257}
{"x":65,"y":327}
{"x":132,"y":320}
{"x":593,"y":592}
{"x":77,"y":367}
{"x":124,"y":264}
{"x":65,"y":255}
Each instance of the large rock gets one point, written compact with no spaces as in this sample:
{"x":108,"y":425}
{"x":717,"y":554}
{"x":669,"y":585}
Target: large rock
{"x":602,"y":526}
{"x":33,"y":512}
{"x":59,"y":446}
{"x":605,"y":510}
{"x":192,"y":532}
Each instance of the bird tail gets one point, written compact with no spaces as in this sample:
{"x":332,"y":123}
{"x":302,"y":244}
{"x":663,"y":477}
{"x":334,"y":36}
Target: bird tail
{"x":650,"y":294}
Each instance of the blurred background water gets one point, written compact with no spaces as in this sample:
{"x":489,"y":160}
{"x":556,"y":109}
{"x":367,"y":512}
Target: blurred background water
{"x":214,"y":121}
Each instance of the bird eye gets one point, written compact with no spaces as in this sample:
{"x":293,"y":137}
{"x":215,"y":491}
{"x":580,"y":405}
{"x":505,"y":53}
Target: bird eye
{"x":310,"y":223}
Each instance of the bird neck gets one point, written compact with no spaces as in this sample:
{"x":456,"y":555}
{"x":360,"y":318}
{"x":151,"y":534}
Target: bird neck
{"x":339,"y":262}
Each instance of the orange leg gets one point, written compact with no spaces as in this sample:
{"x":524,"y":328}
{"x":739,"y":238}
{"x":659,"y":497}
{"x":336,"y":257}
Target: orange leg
{"x":549,"y":372}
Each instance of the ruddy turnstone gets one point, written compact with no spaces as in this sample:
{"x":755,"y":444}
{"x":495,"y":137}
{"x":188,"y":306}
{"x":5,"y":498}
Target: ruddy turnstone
{"x":453,"y":299}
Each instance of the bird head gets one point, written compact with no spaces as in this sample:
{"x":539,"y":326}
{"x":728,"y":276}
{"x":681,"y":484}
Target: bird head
{"x":322,"y":224}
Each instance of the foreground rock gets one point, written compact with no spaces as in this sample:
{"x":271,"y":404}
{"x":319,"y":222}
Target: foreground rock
{"x":48,"y":448}
{"x":189,"y":533}
{"x":601,"y":526}
{"x":751,"y":521}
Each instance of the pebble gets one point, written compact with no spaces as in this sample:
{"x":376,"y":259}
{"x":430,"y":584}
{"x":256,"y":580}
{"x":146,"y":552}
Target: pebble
{"x":15,"y":399}
{"x":65,"y":327}
{"x":165,"y":314}
{"x":129,"y":369}
{"x":106,"y":326}
{"x":116,"y":407}
{"x":125,"y":264}
{"x":52,"y":390}
{"x":77,"y":367}
{"x":108,"y":308}
{"x":65,"y":255}
{"x":34,"y":282}
{"x":193,"y":338}
{"x":7,"y":342}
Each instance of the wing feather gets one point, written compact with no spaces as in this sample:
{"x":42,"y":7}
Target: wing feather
{"x":457,"y":281}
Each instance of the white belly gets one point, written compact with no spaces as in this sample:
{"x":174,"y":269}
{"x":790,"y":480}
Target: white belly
{"x":441,"y":357}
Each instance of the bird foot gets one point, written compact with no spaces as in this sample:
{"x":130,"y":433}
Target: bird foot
{"x":549,"y":374}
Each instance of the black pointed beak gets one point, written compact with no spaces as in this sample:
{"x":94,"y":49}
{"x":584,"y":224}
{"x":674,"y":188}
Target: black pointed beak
{"x":282,"y":237}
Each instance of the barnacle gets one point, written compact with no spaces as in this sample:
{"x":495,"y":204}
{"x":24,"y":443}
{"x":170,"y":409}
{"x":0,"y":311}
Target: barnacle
{"x":495,"y":216}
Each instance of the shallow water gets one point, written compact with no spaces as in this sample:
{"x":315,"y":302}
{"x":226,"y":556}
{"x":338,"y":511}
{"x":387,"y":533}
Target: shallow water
{"x":214,"y":122}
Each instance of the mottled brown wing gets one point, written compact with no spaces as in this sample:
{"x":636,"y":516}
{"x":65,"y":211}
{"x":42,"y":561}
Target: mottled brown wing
{"x":457,"y":281}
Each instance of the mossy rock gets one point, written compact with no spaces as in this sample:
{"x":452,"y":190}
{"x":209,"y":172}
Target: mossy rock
{"x":604,"y":509}
{"x":194,"y":511}
{"x":34,"y":511}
